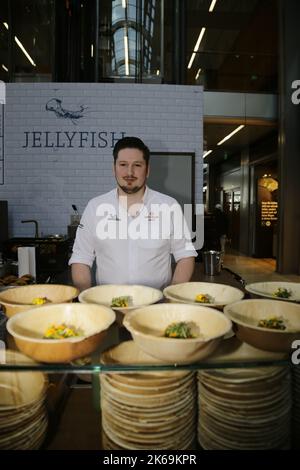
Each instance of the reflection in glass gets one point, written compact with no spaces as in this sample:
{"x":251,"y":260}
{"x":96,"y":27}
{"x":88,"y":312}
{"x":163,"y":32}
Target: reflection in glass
{"x":32,"y":22}
{"x":4,"y":61}
{"x":133,"y":29}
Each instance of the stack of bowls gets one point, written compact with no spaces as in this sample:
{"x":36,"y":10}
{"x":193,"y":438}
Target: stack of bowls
{"x":146,"y":410}
{"x":296,"y":406}
{"x":23,"y":416}
{"x":244,"y":409}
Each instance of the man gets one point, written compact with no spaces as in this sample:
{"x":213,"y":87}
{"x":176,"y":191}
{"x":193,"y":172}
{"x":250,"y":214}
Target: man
{"x":132,"y":231}
{"x":221,"y":226}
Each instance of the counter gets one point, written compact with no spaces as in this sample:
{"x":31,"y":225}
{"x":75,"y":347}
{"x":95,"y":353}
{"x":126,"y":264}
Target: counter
{"x":231,"y":355}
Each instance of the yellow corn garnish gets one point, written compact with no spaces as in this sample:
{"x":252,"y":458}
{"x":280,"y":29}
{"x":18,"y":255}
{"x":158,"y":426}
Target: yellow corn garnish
{"x":180,"y":330}
{"x":61,"y":332}
{"x":40,"y":300}
{"x":202,"y":298}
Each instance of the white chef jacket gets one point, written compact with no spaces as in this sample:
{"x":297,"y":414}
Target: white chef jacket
{"x":132,"y":250}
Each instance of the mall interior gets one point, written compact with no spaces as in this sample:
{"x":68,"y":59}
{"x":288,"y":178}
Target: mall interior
{"x":244,"y":53}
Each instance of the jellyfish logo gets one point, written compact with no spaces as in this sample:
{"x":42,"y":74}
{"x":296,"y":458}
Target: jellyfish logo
{"x":55,"y":105}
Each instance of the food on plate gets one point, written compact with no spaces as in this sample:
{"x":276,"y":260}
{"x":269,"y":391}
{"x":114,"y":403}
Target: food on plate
{"x":122,"y":301}
{"x":203,"y":298}
{"x":182,"y":330}
{"x":11,"y":280}
{"x":275,"y":323}
{"x":282,"y":293}
{"x":61,"y":332}
{"x":40,"y":301}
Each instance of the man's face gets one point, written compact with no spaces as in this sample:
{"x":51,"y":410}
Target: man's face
{"x":131,"y":170}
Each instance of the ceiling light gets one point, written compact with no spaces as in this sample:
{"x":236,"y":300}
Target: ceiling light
{"x":92,"y":50}
{"x":231,"y":134}
{"x":157,"y":72}
{"x":191,"y":60}
{"x":197,"y":45}
{"x":197,"y":74}
{"x":22,"y":47}
{"x":206,"y":153}
{"x":200,"y":37}
{"x":4,"y":68}
{"x":24,"y":51}
{"x":126,"y":54}
{"x":212,"y":5}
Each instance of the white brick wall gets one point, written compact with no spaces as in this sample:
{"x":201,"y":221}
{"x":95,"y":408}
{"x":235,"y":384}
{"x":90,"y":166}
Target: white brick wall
{"x":41,"y":183}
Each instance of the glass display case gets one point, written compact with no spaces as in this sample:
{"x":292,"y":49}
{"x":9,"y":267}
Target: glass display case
{"x":220,"y":402}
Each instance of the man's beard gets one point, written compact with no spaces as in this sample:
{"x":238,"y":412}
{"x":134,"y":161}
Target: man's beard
{"x":133,"y":189}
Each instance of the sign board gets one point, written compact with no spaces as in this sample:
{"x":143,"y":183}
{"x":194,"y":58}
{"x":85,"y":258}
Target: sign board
{"x":269,"y":211}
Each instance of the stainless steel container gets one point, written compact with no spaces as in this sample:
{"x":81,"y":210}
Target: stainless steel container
{"x":212,"y":262}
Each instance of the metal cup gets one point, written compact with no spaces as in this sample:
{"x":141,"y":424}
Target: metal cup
{"x":212,"y":262}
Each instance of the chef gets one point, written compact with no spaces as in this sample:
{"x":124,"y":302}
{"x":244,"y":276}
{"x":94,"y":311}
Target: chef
{"x":132,"y":231}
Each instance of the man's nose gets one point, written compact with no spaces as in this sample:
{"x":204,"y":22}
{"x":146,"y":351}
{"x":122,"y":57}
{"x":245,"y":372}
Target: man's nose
{"x":130,"y":171}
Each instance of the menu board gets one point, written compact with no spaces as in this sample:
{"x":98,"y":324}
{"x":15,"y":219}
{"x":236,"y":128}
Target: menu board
{"x":269,"y":211}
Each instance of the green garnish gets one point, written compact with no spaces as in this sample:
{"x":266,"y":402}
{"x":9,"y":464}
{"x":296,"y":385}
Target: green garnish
{"x":122,"y":301}
{"x":275,"y":323}
{"x":282,"y":293}
{"x":181,"y":330}
{"x":61,"y":331}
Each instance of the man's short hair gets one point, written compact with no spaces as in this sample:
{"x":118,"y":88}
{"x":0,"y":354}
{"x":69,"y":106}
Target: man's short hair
{"x":132,"y":143}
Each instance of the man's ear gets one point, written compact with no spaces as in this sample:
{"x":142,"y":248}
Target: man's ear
{"x":148,"y":170}
{"x":114,"y":169}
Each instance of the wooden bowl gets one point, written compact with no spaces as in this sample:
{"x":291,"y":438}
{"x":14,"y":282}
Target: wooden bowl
{"x":246,"y":315}
{"x":28,"y":329}
{"x":103,"y":295}
{"x":219,"y":294}
{"x":147,"y":326}
{"x":19,"y":390}
{"x":268,"y":290}
{"x":20,"y":298}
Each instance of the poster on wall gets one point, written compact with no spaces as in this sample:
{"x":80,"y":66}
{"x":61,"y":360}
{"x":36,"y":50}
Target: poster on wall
{"x":267,"y":191}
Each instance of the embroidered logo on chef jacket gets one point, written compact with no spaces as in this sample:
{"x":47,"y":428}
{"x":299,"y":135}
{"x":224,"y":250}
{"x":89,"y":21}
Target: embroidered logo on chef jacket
{"x":151,"y":216}
{"x":114,"y":217}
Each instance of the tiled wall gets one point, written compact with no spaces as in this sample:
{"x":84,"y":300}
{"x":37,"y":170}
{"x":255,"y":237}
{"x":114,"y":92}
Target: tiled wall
{"x":62,"y":155}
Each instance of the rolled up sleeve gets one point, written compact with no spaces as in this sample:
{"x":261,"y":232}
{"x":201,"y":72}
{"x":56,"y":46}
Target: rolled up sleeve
{"x":181,"y":246}
{"x":83,"y":249}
